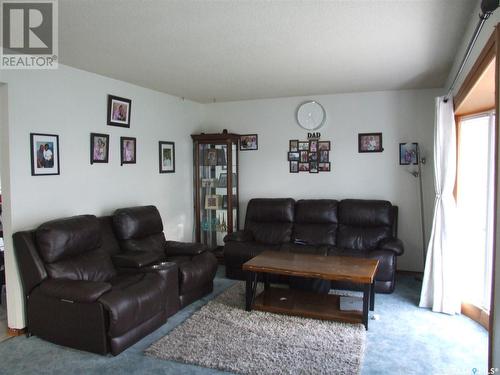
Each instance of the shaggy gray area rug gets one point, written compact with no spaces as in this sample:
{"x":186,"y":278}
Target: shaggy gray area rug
{"x":222,"y":335}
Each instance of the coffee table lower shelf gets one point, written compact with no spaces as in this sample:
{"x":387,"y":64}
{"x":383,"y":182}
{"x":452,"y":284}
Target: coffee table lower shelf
{"x":305,"y":304}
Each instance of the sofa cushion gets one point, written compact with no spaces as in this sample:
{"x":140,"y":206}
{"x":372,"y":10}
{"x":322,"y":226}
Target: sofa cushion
{"x":137,"y":222}
{"x":304,"y":249}
{"x":130,"y":304}
{"x":92,"y":266}
{"x":155,"y":242}
{"x":77,"y":291}
{"x":237,"y":253}
{"x":270,"y":220}
{"x":360,"y":238}
{"x":316,"y":221}
{"x":366,"y":213}
{"x":63,"y":238}
{"x":363,"y":224}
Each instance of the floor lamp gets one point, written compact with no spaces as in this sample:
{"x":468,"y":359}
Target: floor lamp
{"x":410,"y":154}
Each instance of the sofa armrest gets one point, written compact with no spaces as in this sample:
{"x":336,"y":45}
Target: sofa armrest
{"x":174,"y":248}
{"x":393,"y":244}
{"x":136,"y":259}
{"x":74,"y":290}
{"x":239,"y":236}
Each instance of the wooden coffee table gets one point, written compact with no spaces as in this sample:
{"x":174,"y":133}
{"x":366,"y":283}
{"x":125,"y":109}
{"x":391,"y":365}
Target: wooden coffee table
{"x":308,"y":304}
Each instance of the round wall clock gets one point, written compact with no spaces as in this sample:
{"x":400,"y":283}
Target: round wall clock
{"x":311,"y":115}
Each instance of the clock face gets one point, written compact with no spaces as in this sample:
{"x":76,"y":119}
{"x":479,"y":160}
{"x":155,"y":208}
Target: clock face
{"x":311,"y":115}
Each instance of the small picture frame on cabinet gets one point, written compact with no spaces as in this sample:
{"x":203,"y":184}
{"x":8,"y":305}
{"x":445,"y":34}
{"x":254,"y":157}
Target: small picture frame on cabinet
{"x":212,"y":202}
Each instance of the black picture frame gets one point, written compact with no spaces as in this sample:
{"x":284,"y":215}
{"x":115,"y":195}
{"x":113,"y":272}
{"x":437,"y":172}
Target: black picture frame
{"x":293,"y":156}
{"x":163,"y":164}
{"x":249,"y":142}
{"x":313,"y":145}
{"x":323,"y":156}
{"x":114,"y":112}
{"x":294,"y":166}
{"x":293,"y":145}
{"x":44,"y":163}
{"x":303,"y":145}
{"x":124,"y":158}
{"x":324,"y":167}
{"x":324,"y":146}
{"x":94,"y":157}
{"x":313,"y":167}
{"x":370,"y":142}
{"x":408,"y":153}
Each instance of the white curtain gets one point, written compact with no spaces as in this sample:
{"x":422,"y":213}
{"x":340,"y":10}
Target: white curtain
{"x":441,"y":289}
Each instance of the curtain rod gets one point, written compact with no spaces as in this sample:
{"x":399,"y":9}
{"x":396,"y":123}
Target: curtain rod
{"x":482,"y":19}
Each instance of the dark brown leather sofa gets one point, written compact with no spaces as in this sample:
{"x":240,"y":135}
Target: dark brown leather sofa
{"x":83,"y":290}
{"x":351,"y":227}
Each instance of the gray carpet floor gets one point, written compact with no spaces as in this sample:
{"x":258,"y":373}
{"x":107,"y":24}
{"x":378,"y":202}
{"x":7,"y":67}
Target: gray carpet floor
{"x":224,"y":336}
{"x":405,"y":340}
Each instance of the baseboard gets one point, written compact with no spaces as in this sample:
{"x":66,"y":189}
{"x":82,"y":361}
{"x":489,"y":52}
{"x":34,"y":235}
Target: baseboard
{"x":16,"y":331}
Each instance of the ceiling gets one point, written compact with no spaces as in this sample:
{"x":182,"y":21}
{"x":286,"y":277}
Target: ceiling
{"x":236,"y":50}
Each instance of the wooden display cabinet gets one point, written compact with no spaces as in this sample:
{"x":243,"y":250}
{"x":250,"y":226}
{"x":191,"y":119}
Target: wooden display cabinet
{"x":216,"y":204}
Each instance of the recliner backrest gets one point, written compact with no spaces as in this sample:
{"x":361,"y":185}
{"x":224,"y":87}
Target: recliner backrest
{"x":139,"y":229}
{"x":71,"y":248}
{"x":270,"y":220}
{"x":364,"y":223}
{"x":316,"y":221}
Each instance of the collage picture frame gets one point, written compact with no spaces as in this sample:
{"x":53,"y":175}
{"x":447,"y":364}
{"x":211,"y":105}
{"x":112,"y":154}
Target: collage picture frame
{"x":311,"y":156}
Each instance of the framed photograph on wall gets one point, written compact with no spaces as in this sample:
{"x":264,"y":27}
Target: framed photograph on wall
{"x":408,"y":153}
{"x":166,"y":157}
{"x":294,"y":166}
{"x":294,"y":156}
{"x":304,"y":146}
{"x":324,"y":145}
{"x":370,"y":142}
{"x":99,"y":148}
{"x":324,"y":156}
{"x":249,"y":142}
{"x":303,"y":167}
{"x":119,"y":111}
{"x":324,"y":167}
{"x":313,"y":167}
{"x":128,"y":148}
{"x":313,"y":145}
{"x":294,"y":145}
{"x":44,"y":154}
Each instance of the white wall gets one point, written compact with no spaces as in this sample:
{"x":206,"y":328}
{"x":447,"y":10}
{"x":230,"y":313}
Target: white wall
{"x":402,"y":116}
{"x":72,"y":103}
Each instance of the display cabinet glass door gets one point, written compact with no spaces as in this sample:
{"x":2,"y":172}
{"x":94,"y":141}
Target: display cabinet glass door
{"x":217,"y":195}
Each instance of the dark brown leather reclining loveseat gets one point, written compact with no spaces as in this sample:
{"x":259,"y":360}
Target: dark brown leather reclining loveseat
{"x":351,"y":227}
{"x":83,"y":290}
